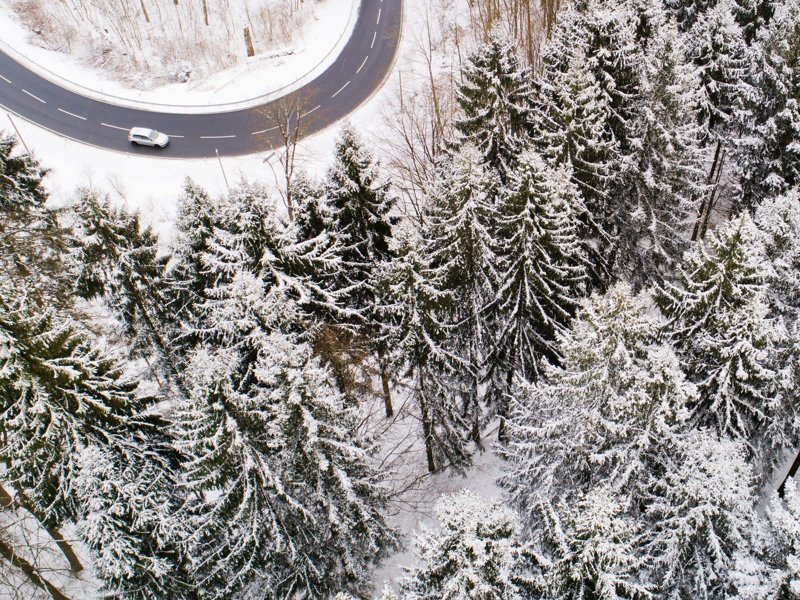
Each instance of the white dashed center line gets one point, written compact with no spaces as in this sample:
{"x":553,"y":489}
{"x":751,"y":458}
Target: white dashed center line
{"x":312,"y":110}
{"x":216,"y":137}
{"x":5,"y":79}
{"x":265,"y":130}
{"x":66,"y":112}
{"x":379,"y":16}
{"x":172,"y":135}
{"x":372,"y":45}
{"x":362,"y":64}
{"x":24,"y":91}
{"x":340,"y":89}
{"x":114,"y":127}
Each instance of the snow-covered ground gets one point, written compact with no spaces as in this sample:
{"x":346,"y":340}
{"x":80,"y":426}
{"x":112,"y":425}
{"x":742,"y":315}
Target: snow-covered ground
{"x":250,"y":82}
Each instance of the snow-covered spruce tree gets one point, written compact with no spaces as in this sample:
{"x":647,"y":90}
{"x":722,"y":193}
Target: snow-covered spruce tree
{"x":460,"y":246}
{"x":33,"y":242}
{"x":657,"y":196}
{"x":419,"y":338}
{"x":587,"y":103}
{"x":701,"y":515}
{"x":358,"y":202}
{"x":542,"y":273}
{"x":686,"y":13}
{"x":717,"y":48}
{"x":494,"y":98}
{"x":769,"y":157}
{"x":128,"y":496}
{"x":753,"y":16}
{"x":784,"y":535}
{"x":476,"y":553}
{"x":608,"y":415}
{"x":187,"y":278}
{"x":285,"y":500}
{"x":778,"y":220}
{"x":118,"y":260}
{"x":733,"y":347}
{"x":58,"y":394}
{"x":591,"y":551}
{"x":256,"y":263}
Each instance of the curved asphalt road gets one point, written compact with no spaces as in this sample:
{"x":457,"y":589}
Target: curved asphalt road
{"x":359,"y":70}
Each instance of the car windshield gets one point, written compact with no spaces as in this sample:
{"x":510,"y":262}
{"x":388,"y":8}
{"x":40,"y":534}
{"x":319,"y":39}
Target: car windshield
{"x":154,"y":134}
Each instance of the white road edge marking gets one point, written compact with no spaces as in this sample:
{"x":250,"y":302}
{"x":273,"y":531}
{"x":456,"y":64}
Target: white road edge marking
{"x":216,"y":137}
{"x":362,"y":64}
{"x":374,"y":34}
{"x":114,"y":127}
{"x":340,"y":89}
{"x":265,"y":130}
{"x":312,"y":110}
{"x":66,"y":112}
{"x":5,"y":79}
{"x":379,"y":16}
{"x":24,"y":91}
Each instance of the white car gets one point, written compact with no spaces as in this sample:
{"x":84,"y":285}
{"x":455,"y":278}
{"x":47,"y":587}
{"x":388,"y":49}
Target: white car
{"x":147,"y":137}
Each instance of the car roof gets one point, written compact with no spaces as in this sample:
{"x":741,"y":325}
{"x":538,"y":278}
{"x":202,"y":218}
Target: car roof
{"x":146,"y":131}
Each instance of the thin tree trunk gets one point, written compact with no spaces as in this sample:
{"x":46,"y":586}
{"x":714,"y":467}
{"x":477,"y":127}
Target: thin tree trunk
{"x":427,"y":426}
{"x":387,"y":392}
{"x":30,"y":571}
{"x":707,"y":198}
{"x":144,"y":11}
{"x":792,"y":471}
{"x":248,"y":41}
{"x":205,"y":11}
{"x":7,"y":503}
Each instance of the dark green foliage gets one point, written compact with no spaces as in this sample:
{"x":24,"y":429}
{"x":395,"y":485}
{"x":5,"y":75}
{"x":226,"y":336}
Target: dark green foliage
{"x":494,"y":97}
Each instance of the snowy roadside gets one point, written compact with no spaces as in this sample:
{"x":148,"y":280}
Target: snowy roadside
{"x":258,"y":79}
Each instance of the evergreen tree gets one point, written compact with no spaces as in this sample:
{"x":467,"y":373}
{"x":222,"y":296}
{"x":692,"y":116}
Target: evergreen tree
{"x":687,"y":12}
{"x":718,"y":51}
{"x":34,"y":244}
{"x":753,"y":16}
{"x":784,"y":536}
{"x":188,"y":279}
{"x":251,"y":254}
{"x":358,"y":202}
{"x":460,"y":247}
{"x":475,"y":554}
{"x":419,"y":336}
{"x":702,"y":513}
{"x":542,"y":272}
{"x":733,"y":348}
{"x":657,"y":196}
{"x":357,"y":209}
{"x":128,"y":496}
{"x":608,"y":415}
{"x":778,"y":221}
{"x":57,"y":395}
{"x":285,"y":498}
{"x":118,"y":260}
{"x":588,"y":101}
{"x":592,"y":551}
{"x":769,"y":157}
{"x":493,"y":96}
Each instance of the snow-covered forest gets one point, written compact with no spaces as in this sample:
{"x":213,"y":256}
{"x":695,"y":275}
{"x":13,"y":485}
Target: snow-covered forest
{"x":580,"y":251}
{"x":148,"y":42}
